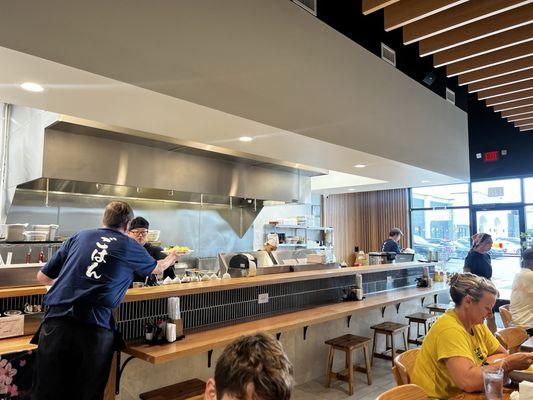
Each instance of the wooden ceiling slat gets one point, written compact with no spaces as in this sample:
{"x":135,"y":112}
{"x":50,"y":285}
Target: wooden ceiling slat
{"x":497,"y":70}
{"x":517,"y":111}
{"x":487,"y":60}
{"x":369,"y":6}
{"x":526,"y":128}
{"x":483,"y":46}
{"x":513,"y":104}
{"x":478,"y":30}
{"x":408,"y":11}
{"x":509,"y":98}
{"x":501,"y":80}
{"x":512,"y":88}
{"x":528,"y":121}
{"x":456,"y":17}
{"x":519,"y":117}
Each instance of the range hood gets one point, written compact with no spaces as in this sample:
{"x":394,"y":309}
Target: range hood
{"x":83,"y":157}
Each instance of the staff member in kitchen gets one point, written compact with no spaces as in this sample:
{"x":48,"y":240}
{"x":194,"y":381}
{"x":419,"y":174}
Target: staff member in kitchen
{"x":391,"y":245}
{"x":139,"y":232}
{"x":89,"y":275}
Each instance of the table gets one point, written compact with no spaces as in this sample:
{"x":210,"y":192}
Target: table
{"x":527,"y":345}
{"x":477,"y":396}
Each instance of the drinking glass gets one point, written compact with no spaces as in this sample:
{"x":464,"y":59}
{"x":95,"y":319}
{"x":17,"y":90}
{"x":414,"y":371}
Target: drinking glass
{"x":493,"y":381}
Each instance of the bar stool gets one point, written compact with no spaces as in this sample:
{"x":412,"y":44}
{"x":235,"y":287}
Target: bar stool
{"x":348,"y":343}
{"x":419,"y":318}
{"x":193,"y":389}
{"x":438,"y":308}
{"x":390,"y":330}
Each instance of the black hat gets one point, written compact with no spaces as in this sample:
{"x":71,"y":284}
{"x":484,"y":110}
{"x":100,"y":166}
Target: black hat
{"x":139,"y":222}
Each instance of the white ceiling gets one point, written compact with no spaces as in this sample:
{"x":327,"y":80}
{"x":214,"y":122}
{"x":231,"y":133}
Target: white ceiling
{"x":210,"y":73}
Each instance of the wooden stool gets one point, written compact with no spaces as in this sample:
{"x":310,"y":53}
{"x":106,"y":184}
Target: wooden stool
{"x":389,"y":329}
{"x":438,"y":308}
{"x":348,"y":343}
{"x":187,"y":390}
{"x":419,"y":318}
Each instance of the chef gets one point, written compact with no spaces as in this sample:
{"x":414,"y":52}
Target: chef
{"x":139,"y":232}
{"x":89,"y":276}
{"x":391,"y":245}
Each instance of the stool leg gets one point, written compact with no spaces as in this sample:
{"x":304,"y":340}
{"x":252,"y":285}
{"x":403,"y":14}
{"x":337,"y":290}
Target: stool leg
{"x":409,"y":331}
{"x":368,"y":366}
{"x":425,"y":329}
{"x":330,"y":366}
{"x":373,"y":349}
{"x":393,"y":352}
{"x":350,"y":370}
{"x":405,"y":343}
{"x":417,"y":331}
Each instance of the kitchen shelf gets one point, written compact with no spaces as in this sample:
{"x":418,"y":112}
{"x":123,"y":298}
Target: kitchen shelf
{"x":28,"y":242}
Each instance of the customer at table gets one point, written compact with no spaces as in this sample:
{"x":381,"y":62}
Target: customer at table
{"x":89,"y":274}
{"x":478,"y":262}
{"x":252,"y":368}
{"x":458,"y":343}
{"x":138,"y":231}
{"x":391,"y":245}
{"x":521,"y":306}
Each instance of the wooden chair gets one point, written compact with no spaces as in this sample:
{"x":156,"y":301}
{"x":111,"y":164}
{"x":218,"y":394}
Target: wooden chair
{"x":511,"y":338}
{"x":405,"y":364}
{"x":505,"y":313}
{"x":404,"y":392}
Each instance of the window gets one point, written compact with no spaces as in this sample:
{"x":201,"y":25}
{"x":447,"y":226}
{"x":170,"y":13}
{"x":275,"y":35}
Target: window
{"x":501,"y":191}
{"x":528,"y":190}
{"x":440,"y":196}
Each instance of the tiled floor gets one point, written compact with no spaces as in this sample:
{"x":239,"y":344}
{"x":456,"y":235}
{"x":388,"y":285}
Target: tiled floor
{"x":382,"y":380}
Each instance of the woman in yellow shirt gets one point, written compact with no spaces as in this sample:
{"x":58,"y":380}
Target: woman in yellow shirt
{"x":458,"y":344}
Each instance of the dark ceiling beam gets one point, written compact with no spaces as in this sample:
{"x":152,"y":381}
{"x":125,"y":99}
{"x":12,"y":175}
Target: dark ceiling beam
{"x":513,"y":104}
{"x":483,"y":46}
{"x":369,"y":6}
{"x":519,"y":117}
{"x":409,"y":11}
{"x":512,"y":88}
{"x":501,"y":81}
{"x":509,"y":98}
{"x":487,"y":60}
{"x":510,"y":67}
{"x":456,"y":17}
{"x":516,"y":112}
{"x":478,"y":30}
{"x":528,"y":121}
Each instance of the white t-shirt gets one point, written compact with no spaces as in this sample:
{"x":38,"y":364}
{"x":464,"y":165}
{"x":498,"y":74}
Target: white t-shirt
{"x":522,"y":299}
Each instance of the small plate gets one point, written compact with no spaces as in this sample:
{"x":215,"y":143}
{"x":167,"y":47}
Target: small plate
{"x":189,"y":252}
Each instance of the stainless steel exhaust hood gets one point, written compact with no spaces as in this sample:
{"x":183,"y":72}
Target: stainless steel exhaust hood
{"x":84,"y":157}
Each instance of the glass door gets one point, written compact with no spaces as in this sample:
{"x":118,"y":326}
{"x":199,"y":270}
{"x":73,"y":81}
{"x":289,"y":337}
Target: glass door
{"x":504,"y":227}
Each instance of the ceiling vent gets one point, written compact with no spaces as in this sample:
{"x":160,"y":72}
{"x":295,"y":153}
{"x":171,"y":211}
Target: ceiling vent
{"x":450,"y":95}
{"x":388,"y":54}
{"x":307,"y":5}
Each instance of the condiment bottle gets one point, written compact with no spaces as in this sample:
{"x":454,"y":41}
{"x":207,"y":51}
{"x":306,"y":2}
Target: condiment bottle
{"x":42,"y":259}
{"x":28,"y":256}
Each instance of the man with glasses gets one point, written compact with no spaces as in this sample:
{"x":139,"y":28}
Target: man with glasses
{"x":139,"y":232}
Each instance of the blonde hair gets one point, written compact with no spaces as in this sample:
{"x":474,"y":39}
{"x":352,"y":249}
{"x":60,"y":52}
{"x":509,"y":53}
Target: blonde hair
{"x":472,"y":285}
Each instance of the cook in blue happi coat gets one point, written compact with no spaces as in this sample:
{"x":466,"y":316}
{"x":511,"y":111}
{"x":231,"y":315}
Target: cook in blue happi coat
{"x":89,"y":275}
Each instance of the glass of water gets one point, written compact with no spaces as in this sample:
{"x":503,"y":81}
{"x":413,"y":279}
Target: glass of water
{"x":493,"y":381}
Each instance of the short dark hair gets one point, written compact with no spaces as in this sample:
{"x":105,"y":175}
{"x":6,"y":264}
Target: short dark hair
{"x":139,"y":222}
{"x":395,"y":232}
{"x":258,"y":360}
{"x":117,"y":214}
{"x":527,"y":258}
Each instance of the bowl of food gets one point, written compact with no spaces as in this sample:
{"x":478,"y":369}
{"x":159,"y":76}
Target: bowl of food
{"x":179,"y":249}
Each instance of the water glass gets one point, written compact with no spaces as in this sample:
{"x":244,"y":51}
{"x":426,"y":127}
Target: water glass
{"x":493,"y":381}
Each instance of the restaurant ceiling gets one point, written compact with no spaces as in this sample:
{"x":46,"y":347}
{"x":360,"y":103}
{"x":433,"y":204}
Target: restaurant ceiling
{"x":488,"y":45}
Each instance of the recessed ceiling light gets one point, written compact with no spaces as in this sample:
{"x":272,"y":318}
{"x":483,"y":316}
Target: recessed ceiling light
{"x":360,"y":165}
{"x":424,"y":181}
{"x":246,"y":139}
{"x":351,"y":189}
{"x":32,"y":87}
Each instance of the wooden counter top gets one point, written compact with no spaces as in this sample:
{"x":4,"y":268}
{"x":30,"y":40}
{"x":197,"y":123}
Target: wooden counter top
{"x":215,"y":338}
{"x":180,"y":289}
{"x":14,"y":345}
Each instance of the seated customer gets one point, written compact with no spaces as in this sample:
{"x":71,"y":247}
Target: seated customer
{"x":138,"y":231}
{"x":522,"y":294}
{"x":459,"y":343}
{"x":252,"y":368}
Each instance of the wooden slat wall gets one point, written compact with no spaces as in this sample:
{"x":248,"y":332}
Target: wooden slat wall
{"x":364,"y":219}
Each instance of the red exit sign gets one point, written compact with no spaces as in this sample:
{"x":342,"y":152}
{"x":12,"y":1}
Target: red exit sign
{"x":491,"y":156}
